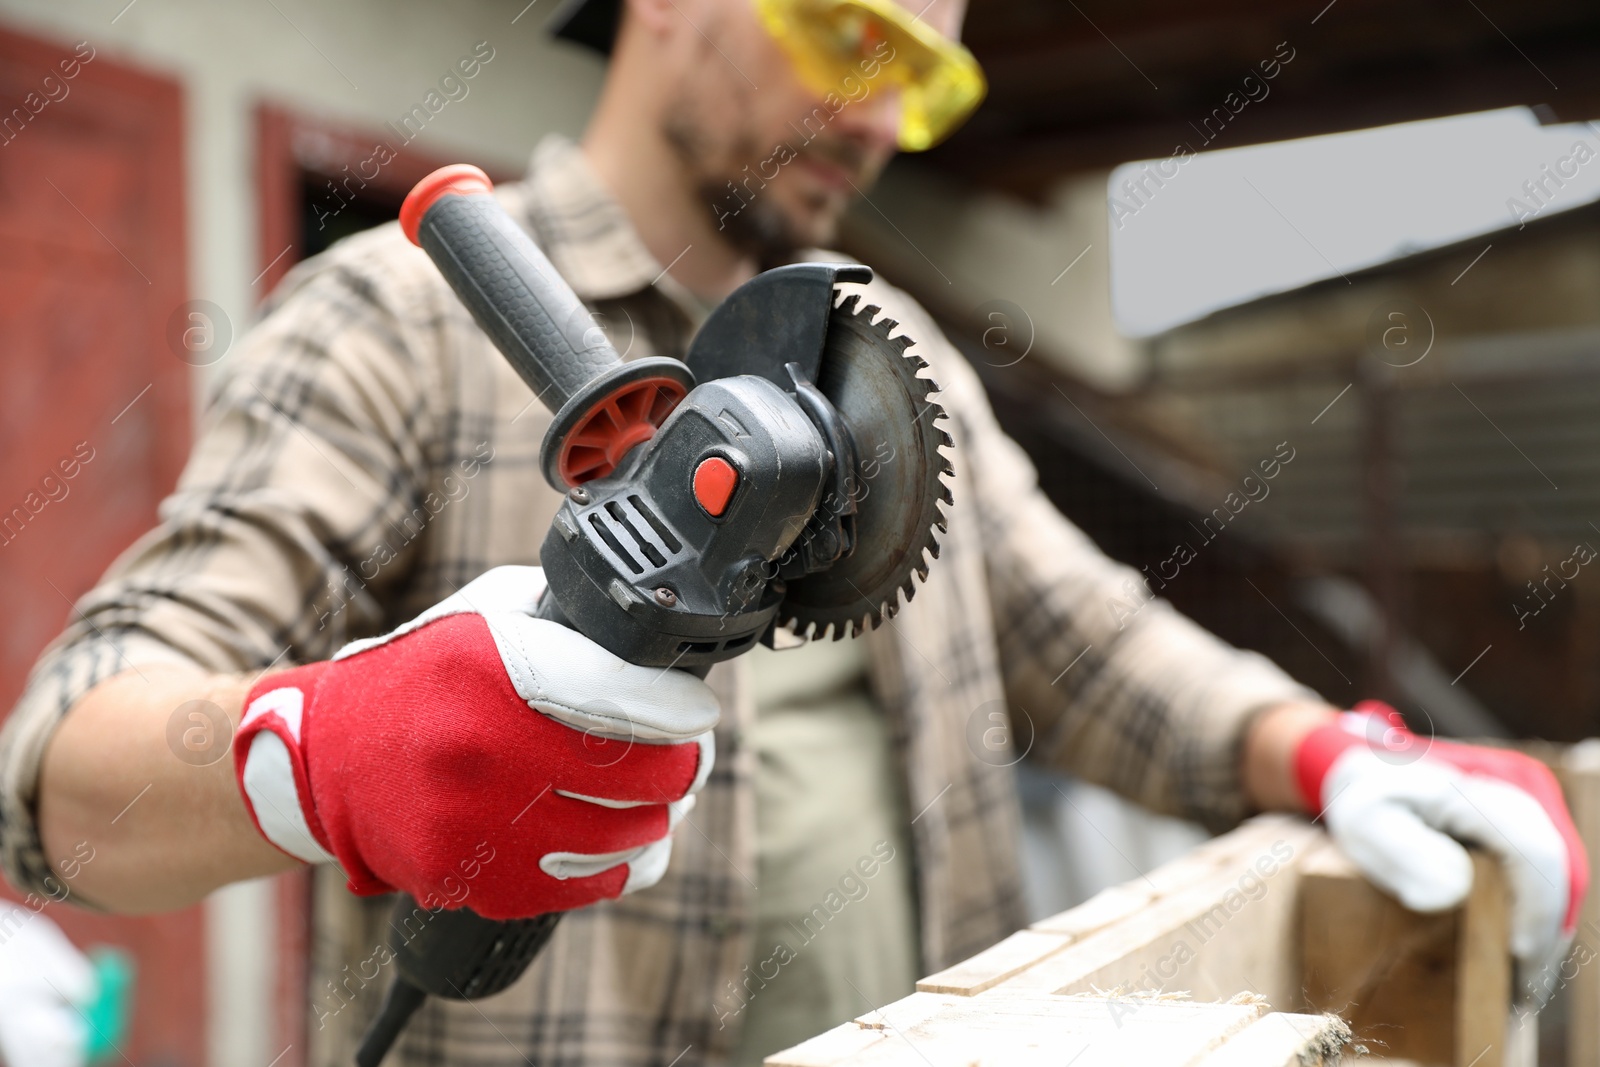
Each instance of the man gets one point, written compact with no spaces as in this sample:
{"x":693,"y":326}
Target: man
{"x":371,"y":460}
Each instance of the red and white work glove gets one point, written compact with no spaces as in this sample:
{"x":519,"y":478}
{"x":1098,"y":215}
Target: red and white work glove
{"x":1398,"y":804}
{"x":478,"y":757}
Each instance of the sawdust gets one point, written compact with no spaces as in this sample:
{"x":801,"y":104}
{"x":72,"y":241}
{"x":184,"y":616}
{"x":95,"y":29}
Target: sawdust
{"x":1327,"y":1048}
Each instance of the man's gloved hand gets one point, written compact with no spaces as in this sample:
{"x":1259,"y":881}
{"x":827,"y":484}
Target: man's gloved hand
{"x":1398,"y":804}
{"x":478,"y":757}
{"x":45,"y":983}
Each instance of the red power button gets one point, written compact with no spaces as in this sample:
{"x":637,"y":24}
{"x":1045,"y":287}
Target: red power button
{"x":714,"y":483}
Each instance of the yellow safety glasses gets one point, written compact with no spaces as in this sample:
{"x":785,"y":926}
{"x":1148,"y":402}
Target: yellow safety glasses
{"x":852,"y":47}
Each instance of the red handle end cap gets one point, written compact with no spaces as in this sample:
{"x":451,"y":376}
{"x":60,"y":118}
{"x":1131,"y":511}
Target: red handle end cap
{"x":460,"y":178}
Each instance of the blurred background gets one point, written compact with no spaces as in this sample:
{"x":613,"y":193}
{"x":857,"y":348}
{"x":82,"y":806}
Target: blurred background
{"x":1295,"y":305}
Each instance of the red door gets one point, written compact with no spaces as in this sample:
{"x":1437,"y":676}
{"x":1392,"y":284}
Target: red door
{"x":94,"y":405}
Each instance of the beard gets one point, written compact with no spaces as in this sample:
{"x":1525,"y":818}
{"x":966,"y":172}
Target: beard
{"x":760,"y":227}
{"x":730,"y":172}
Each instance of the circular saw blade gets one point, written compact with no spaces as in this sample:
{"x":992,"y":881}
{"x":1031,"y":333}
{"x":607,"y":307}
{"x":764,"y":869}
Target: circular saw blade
{"x":876,"y":387}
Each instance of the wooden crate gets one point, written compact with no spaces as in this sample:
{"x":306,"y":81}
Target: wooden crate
{"x":1186,"y":964}
{"x":1095,"y":985}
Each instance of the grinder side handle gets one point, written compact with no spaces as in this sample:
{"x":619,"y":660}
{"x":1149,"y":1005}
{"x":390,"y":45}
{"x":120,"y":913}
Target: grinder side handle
{"x":507,"y":283}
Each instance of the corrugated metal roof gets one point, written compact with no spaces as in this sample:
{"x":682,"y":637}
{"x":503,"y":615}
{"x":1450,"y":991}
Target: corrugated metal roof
{"x":1499,"y":435}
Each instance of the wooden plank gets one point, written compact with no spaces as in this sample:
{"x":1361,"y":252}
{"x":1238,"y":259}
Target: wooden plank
{"x":1230,"y":932}
{"x":1483,"y":968}
{"x":1099,"y":911}
{"x":1027,"y":1030}
{"x":1034,"y":1030}
{"x":995,"y":964}
{"x":1430,"y":988}
{"x":1283,"y":1040}
{"x":1389,"y":972}
{"x":1522,"y":1040}
{"x":909,"y":1011}
{"x":1579,"y":979}
{"x":1121,"y":901}
{"x":862,"y":1033}
{"x":1271,"y":909}
{"x":1194,"y":867}
{"x":829,"y":1048}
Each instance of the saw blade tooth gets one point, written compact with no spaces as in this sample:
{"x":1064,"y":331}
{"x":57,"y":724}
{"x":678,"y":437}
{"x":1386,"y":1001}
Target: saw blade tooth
{"x":850,"y":303}
{"x":904,"y":342}
{"x":944,"y":494}
{"x":910,"y":589}
{"x":933,"y":547}
{"x":871,"y":312}
{"x":921,"y":364}
{"x":945,"y":438}
{"x":887,"y":325}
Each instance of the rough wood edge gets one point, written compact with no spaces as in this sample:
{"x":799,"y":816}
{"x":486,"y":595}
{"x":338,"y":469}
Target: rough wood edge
{"x":1281,"y":1039}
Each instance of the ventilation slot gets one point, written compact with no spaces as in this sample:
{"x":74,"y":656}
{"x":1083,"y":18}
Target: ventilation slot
{"x":647,"y":546}
{"x":612,"y":543}
{"x":662,"y":530}
{"x":697,"y":646}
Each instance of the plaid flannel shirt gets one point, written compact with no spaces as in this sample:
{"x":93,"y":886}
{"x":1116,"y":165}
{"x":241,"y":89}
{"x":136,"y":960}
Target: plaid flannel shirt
{"x":369,"y":452}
